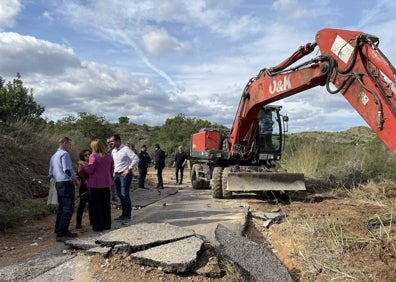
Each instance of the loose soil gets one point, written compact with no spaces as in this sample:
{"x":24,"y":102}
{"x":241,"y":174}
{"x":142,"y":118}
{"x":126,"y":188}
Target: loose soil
{"x":360,"y":251}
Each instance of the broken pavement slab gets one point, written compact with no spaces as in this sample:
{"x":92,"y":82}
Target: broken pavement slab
{"x":255,"y":262}
{"x":197,"y":210}
{"x":173,"y":248}
{"x":82,"y":243}
{"x":178,"y":257}
{"x":144,"y":235}
{"x":75,"y":269}
{"x":35,"y":266}
{"x":103,"y":251}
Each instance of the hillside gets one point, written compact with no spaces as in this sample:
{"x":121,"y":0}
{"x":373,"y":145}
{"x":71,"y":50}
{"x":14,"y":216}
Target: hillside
{"x":331,"y":232}
{"x":356,"y":135}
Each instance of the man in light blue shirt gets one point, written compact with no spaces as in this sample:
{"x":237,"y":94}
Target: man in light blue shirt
{"x":61,"y":170}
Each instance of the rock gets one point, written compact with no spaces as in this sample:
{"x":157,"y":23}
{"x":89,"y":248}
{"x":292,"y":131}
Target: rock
{"x":211,"y":269}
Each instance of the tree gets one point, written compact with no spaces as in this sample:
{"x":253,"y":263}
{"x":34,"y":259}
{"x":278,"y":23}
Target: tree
{"x":92,"y":126}
{"x":17,"y":102}
{"x":123,"y":120}
{"x":88,"y":125}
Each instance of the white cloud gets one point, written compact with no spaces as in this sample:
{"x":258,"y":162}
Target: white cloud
{"x":151,"y":60}
{"x":48,"y":16}
{"x":9,"y":9}
{"x":160,"y":41}
{"x":27,"y":55}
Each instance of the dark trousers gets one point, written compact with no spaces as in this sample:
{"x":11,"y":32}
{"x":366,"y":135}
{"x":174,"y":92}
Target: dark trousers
{"x":84,"y":200}
{"x":160,"y":184}
{"x":114,"y":194}
{"x":123,"y":184}
{"x":142,"y":176}
{"x":179,"y":168}
{"x":66,"y":193}
{"x":100,"y":208}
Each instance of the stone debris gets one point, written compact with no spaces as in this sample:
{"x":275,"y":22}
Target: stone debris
{"x":211,"y":269}
{"x":268,"y":217}
{"x":267,"y":223}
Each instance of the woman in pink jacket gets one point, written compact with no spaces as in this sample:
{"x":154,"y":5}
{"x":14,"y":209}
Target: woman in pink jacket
{"x":100,"y":168}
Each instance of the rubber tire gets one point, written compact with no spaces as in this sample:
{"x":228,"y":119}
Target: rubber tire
{"x":196,"y":183}
{"x":226,"y":194}
{"x":217,"y":192}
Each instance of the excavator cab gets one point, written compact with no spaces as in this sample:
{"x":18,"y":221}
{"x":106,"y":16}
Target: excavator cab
{"x":269,"y":135}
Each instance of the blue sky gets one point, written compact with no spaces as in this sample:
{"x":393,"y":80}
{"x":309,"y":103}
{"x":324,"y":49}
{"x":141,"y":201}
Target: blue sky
{"x":151,"y":60}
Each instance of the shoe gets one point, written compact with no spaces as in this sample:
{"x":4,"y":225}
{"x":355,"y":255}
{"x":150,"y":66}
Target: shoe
{"x":78,"y":226}
{"x":176,"y":182}
{"x":120,"y":218}
{"x":71,"y":235}
{"x":126,"y":221}
{"x":61,"y":238}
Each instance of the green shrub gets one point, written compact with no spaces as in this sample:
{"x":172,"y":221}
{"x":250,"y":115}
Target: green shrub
{"x":348,"y":163}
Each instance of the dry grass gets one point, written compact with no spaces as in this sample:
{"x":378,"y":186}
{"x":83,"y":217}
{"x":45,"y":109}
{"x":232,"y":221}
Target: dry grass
{"x":349,"y":238}
{"x":305,"y":160}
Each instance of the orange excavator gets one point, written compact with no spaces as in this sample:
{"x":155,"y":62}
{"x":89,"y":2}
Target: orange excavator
{"x":243,"y":159}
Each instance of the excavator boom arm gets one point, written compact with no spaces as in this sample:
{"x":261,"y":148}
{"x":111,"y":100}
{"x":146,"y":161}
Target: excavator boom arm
{"x":350,"y":63}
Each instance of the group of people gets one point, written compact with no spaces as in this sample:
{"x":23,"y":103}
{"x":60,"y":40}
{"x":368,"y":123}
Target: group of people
{"x":102,"y":172}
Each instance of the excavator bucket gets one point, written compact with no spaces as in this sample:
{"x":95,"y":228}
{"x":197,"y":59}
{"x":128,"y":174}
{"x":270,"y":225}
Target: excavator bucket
{"x":264,"y":181}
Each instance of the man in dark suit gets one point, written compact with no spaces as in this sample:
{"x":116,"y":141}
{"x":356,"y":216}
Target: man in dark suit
{"x":144,"y":162}
{"x":159,"y":164}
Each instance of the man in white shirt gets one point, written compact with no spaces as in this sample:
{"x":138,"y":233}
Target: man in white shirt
{"x":124,"y":161}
